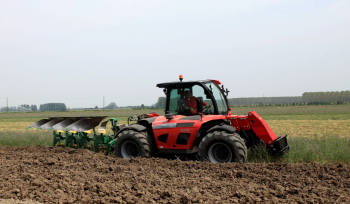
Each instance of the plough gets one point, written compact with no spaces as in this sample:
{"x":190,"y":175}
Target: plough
{"x":75,"y":132}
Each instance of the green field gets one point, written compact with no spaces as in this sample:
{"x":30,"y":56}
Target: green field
{"x":315,"y":133}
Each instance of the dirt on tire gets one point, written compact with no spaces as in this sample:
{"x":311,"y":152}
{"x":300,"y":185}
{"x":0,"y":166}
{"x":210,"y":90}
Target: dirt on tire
{"x":56,"y":175}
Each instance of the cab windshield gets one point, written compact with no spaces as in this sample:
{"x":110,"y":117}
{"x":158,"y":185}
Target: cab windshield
{"x":218,"y":97}
{"x":190,"y":100}
{"x":193,"y":99}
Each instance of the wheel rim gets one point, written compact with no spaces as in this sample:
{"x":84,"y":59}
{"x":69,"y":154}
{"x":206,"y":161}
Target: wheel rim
{"x":130,"y":149}
{"x":220,"y":153}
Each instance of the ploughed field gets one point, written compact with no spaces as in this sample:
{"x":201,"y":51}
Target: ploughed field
{"x":64,"y":175}
{"x":315,"y":170}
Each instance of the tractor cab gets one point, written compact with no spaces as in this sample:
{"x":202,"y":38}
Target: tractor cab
{"x":195,"y":98}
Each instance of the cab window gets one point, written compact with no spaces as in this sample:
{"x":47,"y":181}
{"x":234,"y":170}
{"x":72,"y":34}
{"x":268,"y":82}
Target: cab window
{"x":219,"y":98}
{"x":184,"y":101}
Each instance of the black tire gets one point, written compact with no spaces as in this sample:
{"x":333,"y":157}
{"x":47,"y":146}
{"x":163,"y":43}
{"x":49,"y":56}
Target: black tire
{"x":222,"y":147}
{"x":130,"y":144}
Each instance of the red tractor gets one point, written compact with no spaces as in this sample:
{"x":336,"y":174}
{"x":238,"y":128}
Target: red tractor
{"x":198,"y":120}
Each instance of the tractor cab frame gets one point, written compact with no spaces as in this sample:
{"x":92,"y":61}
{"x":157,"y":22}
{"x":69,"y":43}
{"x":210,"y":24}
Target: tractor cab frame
{"x":207,"y":91}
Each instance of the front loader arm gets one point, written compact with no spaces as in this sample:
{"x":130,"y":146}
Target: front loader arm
{"x":257,"y":124}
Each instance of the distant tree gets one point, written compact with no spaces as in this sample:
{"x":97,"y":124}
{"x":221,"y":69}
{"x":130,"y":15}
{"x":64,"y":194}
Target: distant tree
{"x":33,"y":108}
{"x":142,"y":106}
{"x":26,"y":106}
{"x":96,"y":107}
{"x":161,"y":102}
{"x":112,"y":105}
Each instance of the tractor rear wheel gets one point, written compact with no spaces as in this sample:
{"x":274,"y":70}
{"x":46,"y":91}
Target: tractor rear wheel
{"x":222,"y":147}
{"x":130,"y":144}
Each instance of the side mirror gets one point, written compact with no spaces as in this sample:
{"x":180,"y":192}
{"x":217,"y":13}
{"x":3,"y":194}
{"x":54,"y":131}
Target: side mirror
{"x":169,"y":116}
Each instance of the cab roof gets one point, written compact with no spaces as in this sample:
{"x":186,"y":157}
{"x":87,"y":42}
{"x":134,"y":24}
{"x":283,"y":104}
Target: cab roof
{"x":166,"y":84}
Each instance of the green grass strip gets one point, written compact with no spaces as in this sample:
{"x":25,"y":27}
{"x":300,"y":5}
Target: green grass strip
{"x":326,"y":149}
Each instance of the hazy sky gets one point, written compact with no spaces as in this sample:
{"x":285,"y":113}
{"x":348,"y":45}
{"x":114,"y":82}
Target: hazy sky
{"x":76,"y":52}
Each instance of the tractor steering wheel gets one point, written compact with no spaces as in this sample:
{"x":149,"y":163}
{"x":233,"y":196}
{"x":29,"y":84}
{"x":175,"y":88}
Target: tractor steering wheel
{"x":180,"y":107}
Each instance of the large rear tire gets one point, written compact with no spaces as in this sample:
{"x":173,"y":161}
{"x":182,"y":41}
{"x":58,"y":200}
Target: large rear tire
{"x":222,"y":147}
{"x":131,"y":144}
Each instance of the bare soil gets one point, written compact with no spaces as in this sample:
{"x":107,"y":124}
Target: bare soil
{"x":56,"y":175}
{"x":12,"y":201}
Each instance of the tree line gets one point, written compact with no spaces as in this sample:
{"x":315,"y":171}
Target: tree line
{"x":307,"y":98}
{"x":15,"y":109}
{"x":332,"y":97}
{"x":264,"y":100}
{"x":31,"y":107}
{"x":20,"y":108}
{"x":53,"y":107}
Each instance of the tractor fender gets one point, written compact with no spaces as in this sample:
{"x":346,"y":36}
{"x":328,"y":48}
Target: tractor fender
{"x":136,"y":127}
{"x":203,"y":130}
{"x":227,"y":128}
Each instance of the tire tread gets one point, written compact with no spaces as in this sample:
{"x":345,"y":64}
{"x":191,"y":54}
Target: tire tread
{"x":143,"y":139}
{"x":233,"y":138}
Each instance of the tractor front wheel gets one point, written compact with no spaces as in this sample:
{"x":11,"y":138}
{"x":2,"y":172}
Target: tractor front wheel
{"x":130,"y":144}
{"x":222,"y":147}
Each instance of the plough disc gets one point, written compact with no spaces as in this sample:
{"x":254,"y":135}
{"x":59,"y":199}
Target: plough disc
{"x":38,"y":123}
{"x":50,"y":124}
{"x":63,"y":124}
{"x":86,"y":124}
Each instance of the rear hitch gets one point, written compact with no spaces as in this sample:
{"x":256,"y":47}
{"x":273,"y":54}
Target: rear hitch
{"x":279,"y":146}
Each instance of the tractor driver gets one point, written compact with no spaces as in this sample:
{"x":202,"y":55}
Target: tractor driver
{"x":190,"y":102}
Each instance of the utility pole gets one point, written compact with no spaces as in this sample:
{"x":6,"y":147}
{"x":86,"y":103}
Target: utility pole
{"x":103,"y":102}
{"x":264,"y":99}
{"x":7,"y":104}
